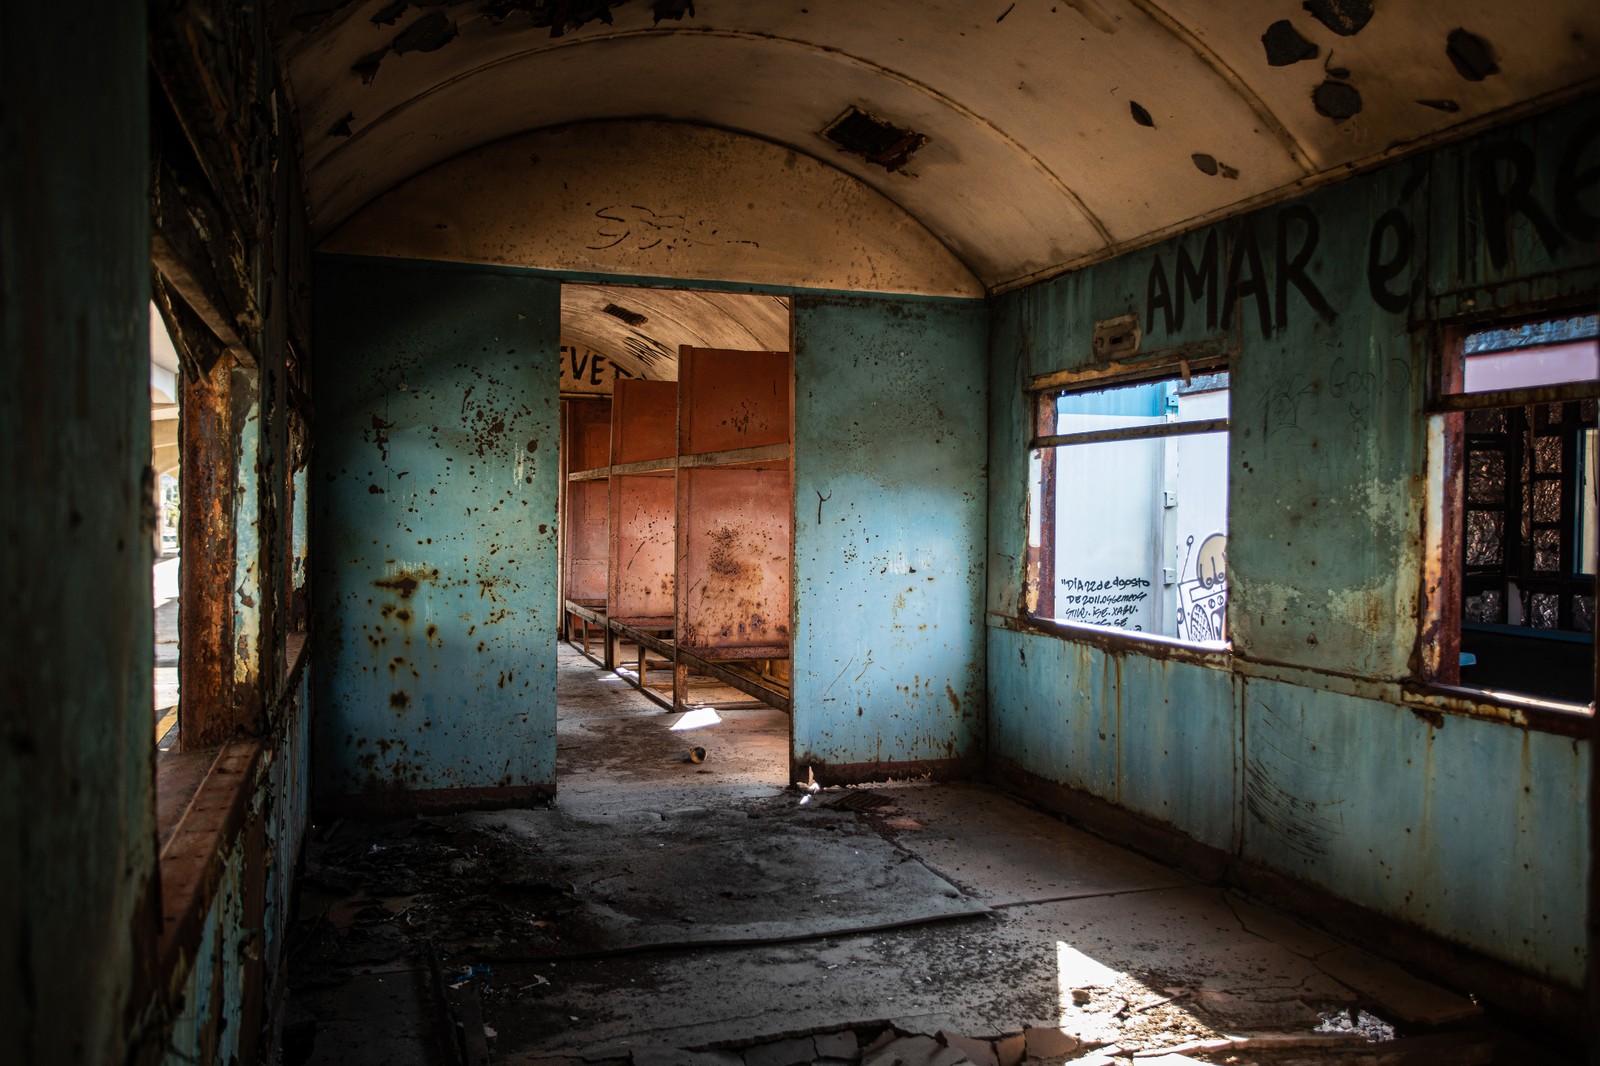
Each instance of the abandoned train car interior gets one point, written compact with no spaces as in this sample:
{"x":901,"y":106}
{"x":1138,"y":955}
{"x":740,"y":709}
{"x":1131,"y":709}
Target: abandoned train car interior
{"x":694,"y":533}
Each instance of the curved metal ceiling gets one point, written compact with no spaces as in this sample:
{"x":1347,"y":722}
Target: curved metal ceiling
{"x":1058,"y":131}
{"x":640,"y":329}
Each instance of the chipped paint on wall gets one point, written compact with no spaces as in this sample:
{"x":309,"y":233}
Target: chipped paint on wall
{"x":435,"y":551}
{"x":249,"y":591}
{"x":1465,"y":827}
{"x":888,"y":528}
{"x":1325,"y":305}
{"x":243,"y":934}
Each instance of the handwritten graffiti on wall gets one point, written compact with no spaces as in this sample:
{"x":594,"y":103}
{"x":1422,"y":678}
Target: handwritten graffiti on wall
{"x":1109,"y":601}
{"x":1223,"y":289}
{"x":1248,"y":267}
{"x":637,"y":228}
{"x":585,"y":370}
{"x":1504,"y":188}
{"x":1203,"y":598}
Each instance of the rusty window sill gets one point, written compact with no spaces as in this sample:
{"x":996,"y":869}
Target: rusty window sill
{"x":179,"y":773}
{"x":195,"y":846}
{"x":1114,"y":642}
{"x":1528,"y":712}
{"x":202,"y":798}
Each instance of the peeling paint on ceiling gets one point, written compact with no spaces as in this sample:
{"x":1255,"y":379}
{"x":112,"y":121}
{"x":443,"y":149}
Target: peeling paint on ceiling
{"x":1030,"y":164}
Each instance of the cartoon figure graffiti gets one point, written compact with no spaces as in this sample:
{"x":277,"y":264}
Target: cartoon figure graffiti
{"x":1203,"y":599}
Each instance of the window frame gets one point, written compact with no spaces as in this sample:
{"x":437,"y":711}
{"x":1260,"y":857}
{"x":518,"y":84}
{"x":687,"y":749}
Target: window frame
{"x":1039,"y":573}
{"x":1438,"y":682}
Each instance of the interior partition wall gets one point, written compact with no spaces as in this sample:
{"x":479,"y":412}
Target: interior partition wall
{"x":585,"y":518}
{"x":735,"y":497}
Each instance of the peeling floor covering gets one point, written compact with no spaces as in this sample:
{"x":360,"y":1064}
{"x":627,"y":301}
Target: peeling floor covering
{"x":668,"y":913}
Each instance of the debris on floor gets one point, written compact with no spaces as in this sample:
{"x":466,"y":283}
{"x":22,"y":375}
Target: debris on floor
{"x":666,"y":914}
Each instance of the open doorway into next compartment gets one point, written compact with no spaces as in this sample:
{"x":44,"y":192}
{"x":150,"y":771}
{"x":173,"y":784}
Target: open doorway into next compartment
{"x":676,"y":537}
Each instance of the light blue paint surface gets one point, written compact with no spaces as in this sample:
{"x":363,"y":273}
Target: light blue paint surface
{"x":1468,"y":829}
{"x":890,"y":424}
{"x":1474,"y":830}
{"x":1159,"y":738}
{"x":1178,"y":744}
{"x":434,"y":526}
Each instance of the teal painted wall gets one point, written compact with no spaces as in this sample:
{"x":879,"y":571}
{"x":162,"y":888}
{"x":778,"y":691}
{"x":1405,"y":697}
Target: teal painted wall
{"x":890,"y":425}
{"x":1472,"y":829}
{"x":434,"y":528}
{"x":78,"y":906}
{"x":229,"y":940}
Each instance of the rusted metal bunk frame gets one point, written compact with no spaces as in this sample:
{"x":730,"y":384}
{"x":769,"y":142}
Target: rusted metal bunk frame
{"x":589,"y":618}
{"x":646,"y":640}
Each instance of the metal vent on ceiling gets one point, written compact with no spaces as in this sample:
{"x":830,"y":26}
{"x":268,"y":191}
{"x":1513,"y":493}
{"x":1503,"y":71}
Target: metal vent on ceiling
{"x":632,"y":318}
{"x":873,"y":139}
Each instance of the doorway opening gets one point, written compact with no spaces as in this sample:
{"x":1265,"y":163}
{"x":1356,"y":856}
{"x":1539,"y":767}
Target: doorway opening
{"x":676,"y":538}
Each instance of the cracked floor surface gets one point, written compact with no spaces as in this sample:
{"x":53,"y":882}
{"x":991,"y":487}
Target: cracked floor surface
{"x":665,"y":903}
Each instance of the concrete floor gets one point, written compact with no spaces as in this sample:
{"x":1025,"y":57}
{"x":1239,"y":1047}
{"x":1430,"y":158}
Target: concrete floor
{"x":665,"y":912}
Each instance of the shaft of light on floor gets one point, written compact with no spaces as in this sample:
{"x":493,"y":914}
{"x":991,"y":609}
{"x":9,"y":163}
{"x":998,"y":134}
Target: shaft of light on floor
{"x":699,"y":718}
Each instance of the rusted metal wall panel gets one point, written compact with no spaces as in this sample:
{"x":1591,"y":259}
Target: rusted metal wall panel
{"x":1326,"y":304}
{"x":434,"y":515}
{"x":1324,"y":549}
{"x":644,"y":420}
{"x":1049,"y":711}
{"x":586,"y":513}
{"x":730,"y":399}
{"x":209,"y":478}
{"x":733,"y":559}
{"x":588,"y":542}
{"x":642,"y":578}
{"x":889,"y":510}
{"x":1465,"y":828}
{"x":233,"y":974}
{"x":588,"y":434}
{"x":1513,"y":218}
{"x":1080,"y":716}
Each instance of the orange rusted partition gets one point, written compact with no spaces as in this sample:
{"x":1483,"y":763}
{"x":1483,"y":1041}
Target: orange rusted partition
{"x":585,"y":511}
{"x":730,"y":400}
{"x":733,"y":561}
{"x":587,"y":541}
{"x":641,"y":572}
{"x":588,"y":439}
{"x":644,"y":419}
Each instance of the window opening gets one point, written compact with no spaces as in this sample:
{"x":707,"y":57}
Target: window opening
{"x":165,"y":463}
{"x":1522,"y":429}
{"x":1128,"y":517}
